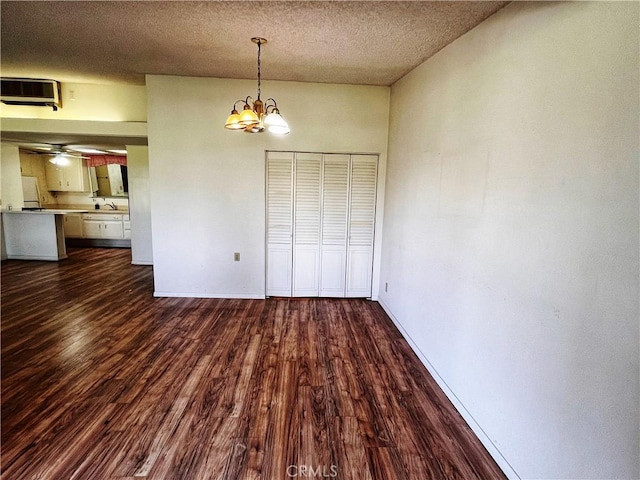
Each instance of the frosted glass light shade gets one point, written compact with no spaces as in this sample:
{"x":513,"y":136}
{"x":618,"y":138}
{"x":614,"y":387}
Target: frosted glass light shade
{"x":233,"y":121}
{"x":248,"y":117}
{"x":276,"y":124}
{"x":274,"y":119}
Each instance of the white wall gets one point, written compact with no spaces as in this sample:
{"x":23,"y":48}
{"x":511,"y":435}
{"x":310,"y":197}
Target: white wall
{"x":139,"y":204}
{"x":207,"y":183}
{"x":10,"y":185}
{"x":93,"y":102}
{"x":10,"y":178}
{"x":511,"y":233}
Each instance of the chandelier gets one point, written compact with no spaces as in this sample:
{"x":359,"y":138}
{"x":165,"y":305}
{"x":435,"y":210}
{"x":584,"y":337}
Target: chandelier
{"x":257,"y":115}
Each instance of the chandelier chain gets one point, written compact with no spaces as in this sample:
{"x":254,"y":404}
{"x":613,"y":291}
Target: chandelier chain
{"x":259,"y":43}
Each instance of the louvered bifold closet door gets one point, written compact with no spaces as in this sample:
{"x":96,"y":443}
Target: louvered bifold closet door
{"x":279,"y":223}
{"x":333,"y":249}
{"x":306,"y":224}
{"x":362,"y":212}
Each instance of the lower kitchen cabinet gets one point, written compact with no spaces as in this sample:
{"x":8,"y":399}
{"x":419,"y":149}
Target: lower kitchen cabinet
{"x":98,"y":229}
{"x":73,"y":225}
{"x":102,"y":225}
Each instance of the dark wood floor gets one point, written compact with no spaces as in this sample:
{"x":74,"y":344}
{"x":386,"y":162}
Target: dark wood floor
{"x":102,"y":381}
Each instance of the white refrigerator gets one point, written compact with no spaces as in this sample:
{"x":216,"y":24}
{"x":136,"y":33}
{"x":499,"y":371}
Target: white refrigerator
{"x":30,"y":192}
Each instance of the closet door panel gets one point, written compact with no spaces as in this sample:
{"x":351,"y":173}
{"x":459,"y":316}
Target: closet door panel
{"x":333,"y":271}
{"x":335,"y":200}
{"x":360,"y":270}
{"x":306,"y":271}
{"x":279,"y":200}
{"x":279,"y":271}
{"x":362,"y":210}
{"x":306,"y":224}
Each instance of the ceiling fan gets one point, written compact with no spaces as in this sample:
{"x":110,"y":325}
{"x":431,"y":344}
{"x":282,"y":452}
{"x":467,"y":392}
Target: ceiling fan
{"x":58,"y":154}
{"x":55,"y":150}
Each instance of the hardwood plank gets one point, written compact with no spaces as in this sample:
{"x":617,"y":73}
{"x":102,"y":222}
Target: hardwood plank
{"x":248,"y":363}
{"x":174,"y":417}
{"x":282,"y":442}
{"x":384,"y":463}
{"x":350,"y":453}
{"x":314,"y":444}
{"x":100,"y":380}
{"x":221,"y":444}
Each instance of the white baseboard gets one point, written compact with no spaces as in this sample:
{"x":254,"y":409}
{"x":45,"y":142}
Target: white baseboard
{"x":459,"y":406}
{"x":46,"y":258}
{"x":141,"y":263}
{"x":242,"y":296}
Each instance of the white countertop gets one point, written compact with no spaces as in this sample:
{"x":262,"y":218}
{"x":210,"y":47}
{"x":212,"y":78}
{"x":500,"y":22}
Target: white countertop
{"x":122,"y":212}
{"x":45,"y":212}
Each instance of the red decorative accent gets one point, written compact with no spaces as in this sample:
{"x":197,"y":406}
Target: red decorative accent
{"x":98,"y":160}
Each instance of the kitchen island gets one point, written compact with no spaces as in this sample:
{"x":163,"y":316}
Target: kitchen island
{"x":35,"y":234}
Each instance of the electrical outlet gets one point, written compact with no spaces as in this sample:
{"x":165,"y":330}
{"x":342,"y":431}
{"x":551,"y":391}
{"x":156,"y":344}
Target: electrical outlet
{"x":236,"y":257}
{"x":386,"y":286}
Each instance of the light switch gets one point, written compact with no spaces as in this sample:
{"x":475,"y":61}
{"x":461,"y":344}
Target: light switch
{"x":236,"y":257}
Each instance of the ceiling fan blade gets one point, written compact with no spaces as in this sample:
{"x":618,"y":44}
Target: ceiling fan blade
{"x":51,"y":149}
{"x":36,"y":147}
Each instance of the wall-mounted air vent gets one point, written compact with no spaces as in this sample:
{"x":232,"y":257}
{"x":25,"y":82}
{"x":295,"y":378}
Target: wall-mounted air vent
{"x":29,"y":91}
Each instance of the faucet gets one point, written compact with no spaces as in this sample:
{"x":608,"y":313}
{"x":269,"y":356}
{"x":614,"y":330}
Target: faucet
{"x":112,"y":205}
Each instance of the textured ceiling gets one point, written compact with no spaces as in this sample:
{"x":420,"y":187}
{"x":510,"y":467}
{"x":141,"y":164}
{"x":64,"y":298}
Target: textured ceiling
{"x":365,"y":42}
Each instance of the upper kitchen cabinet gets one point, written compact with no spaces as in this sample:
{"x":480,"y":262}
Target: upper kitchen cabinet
{"x":72,"y":176}
{"x":112,"y":180}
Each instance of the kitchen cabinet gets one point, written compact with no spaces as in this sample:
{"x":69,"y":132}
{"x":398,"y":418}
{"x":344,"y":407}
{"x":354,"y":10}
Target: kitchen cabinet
{"x":73,"y":225}
{"x":109,"y":180}
{"x":72,"y":176}
{"x":92,"y":228}
{"x":103,"y":225}
{"x":112,"y":229}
